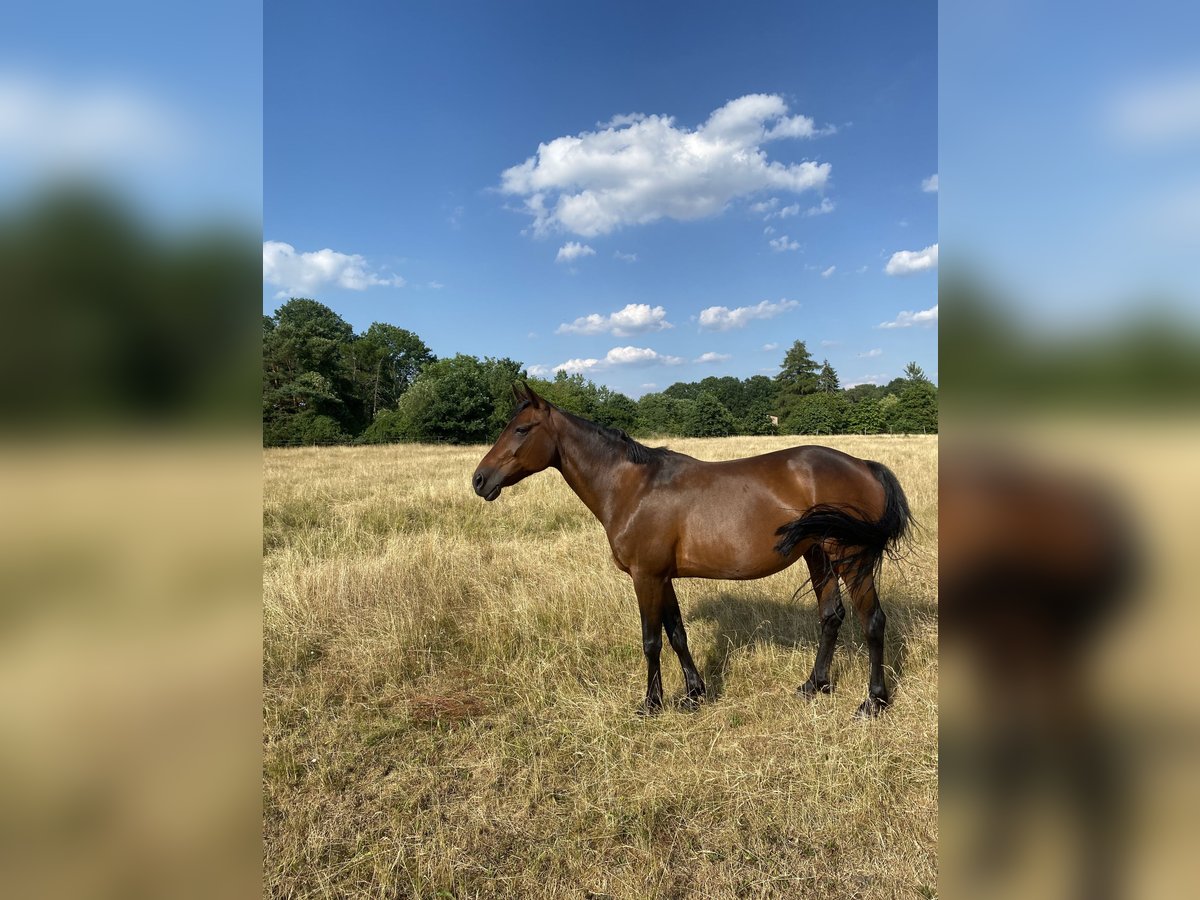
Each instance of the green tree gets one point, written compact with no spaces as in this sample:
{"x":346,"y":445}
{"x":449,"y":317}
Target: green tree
{"x":887,"y":410}
{"x":818,"y":413}
{"x":616,"y":410}
{"x":383,"y":362}
{"x":864,"y":417}
{"x":798,"y":372}
{"x":451,"y":400}
{"x":827,"y":379}
{"x":659,"y":414}
{"x":303,"y":369}
{"x":573,"y":392}
{"x":707,"y":417}
{"x":916,"y":410}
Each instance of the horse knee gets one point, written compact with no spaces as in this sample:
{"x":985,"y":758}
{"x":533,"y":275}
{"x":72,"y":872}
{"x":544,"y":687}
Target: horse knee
{"x":876,"y":624}
{"x":831,"y":619}
{"x":652,"y":646}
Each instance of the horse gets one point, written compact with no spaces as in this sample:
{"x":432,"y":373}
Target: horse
{"x":668,"y":515}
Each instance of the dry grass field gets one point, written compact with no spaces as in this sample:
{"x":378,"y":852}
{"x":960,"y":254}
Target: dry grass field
{"x":450,"y":685}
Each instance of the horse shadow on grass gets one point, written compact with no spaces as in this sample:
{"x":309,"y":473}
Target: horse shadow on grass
{"x":742,"y":621}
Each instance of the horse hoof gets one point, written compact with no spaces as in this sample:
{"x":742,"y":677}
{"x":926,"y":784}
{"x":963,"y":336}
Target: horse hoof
{"x":810,"y":689}
{"x":871,"y":708}
{"x":649,"y":708}
{"x":690,"y":702}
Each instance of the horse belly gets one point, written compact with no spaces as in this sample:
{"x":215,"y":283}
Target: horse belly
{"x":731,"y":540}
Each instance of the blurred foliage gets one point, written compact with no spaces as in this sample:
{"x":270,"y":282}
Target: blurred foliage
{"x":113,"y":322}
{"x":1149,"y":357}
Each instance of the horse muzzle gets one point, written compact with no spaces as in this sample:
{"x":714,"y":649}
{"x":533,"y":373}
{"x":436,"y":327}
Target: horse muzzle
{"x":487,"y":485}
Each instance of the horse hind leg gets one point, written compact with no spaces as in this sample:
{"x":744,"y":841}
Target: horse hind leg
{"x":865,"y":600}
{"x":831,"y":612}
{"x":677,"y":635}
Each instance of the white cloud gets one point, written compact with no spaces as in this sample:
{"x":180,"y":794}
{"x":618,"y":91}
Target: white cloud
{"x":781,"y":243}
{"x":307,"y":273}
{"x":634,"y":318}
{"x":48,"y":124}
{"x":828,"y":273}
{"x":625,"y":257}
{"x":831,"y":343}
{"x":1162,"y":110}
{"x":862,"y":269}
{"x":827,"y":206}
{"x":765,"y":206}
{"x":650,"y":384}
{"x":539,"y":371}
{"x":722,"y":318}
{"x":711,"y":357}
{"x":637,"y":169}
{"x":870,"y":354}
{"x":771,"y":346}
{"x":573,"y":250}
{"x":905,"y":262}
{"x":435,"y":285}
{"x":618,"y":356}
{"x":770,"y":229}
{"x":868,"y":379}
{"x":930,"y":184}
{"x":908,"y":319}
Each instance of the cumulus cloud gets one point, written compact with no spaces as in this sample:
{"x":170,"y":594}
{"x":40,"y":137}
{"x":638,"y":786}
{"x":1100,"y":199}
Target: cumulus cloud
{"x":307,"y":273}
{"x":625,"y":257}
{"x":827,"y":206}
{"x":634,"y":318}
{"x":908,"y":319}
{"x":828,"y":273}
{"x":47,"y":124}
{"x":637,"y":169}
{"x":906,"y":262}
{"x":722,"y":318}
{"x":781,"y":244}
{"x":930,"y":184}
{"x":770,"y":346}
{"x":573,"y":250}
{"x":634,"y":357}
{"x":870,"y":354}
{"x":711,"y":357}
{"x":1163,"y":110}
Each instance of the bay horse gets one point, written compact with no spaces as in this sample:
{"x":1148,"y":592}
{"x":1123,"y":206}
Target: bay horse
{"x":668,"y":515}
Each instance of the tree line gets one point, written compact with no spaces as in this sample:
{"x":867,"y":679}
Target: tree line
{"x":324,"y":384}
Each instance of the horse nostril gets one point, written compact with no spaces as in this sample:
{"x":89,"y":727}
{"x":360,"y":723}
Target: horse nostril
{"x":477,"y":481}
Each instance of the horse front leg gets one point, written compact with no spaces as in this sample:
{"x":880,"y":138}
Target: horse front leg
{"x":677,"y":635}
{"x":650,"y":595}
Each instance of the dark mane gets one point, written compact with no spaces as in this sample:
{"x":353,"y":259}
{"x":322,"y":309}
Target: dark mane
{"x":634,"y":451}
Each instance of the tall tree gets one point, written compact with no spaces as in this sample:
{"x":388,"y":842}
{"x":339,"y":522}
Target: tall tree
{"x":827,"y":379}
{"x":798,"y":372}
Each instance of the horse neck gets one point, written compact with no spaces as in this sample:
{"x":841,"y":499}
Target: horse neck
{"x":589,"y":469}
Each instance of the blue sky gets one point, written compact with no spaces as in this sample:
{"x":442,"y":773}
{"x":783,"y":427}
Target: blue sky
{"x":503,"y":179}
{"x":1070,"y":135}
{"x":160,"y":102}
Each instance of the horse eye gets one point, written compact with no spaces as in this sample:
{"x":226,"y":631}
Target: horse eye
{"x":522,"y":429}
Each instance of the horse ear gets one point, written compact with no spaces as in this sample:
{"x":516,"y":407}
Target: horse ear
{"x":518,"y":396}
{"x":534,"y":400}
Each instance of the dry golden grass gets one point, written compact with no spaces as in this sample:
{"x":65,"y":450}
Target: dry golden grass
{"x":450,"y":689}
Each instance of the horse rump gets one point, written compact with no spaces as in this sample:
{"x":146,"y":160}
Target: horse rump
{"x":866,"y":542}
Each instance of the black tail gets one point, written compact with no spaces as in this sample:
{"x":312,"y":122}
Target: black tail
{"x":867,"y":542}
